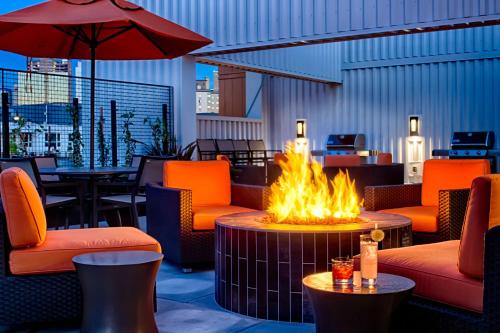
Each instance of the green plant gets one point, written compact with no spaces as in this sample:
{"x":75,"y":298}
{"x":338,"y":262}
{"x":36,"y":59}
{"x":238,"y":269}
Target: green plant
{"x":186,"y":153}
{"x":155,"y":148}
{"x":130,"y":143}
{"x":102,"y":145}
{"x":75,"y":137}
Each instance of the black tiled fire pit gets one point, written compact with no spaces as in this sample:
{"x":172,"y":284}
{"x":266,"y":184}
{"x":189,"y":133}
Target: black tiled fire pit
{"x":259,"y":267}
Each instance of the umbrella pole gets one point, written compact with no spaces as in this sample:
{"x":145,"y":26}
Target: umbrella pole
{"x":92,"y":94}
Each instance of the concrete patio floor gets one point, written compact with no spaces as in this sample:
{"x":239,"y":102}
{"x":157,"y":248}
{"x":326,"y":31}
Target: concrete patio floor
{"x":186,"y":304}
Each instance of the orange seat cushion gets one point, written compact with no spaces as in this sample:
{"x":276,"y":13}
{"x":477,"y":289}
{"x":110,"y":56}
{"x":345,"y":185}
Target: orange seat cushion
{"x":60,"y":246}
{"x":26,"y":222}
{"x":204,"y":217}
{"x":448,"y":175}
{"x":342,"y":160}
{"x":209,"y":181}
{"x":423,"y":218}
{"x":433,"y":267}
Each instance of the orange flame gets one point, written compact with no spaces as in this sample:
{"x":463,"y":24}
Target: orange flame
{"x":302,"y":195}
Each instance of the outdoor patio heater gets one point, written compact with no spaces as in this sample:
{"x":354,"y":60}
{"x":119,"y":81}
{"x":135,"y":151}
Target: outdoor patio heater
{"x":472,"y":145}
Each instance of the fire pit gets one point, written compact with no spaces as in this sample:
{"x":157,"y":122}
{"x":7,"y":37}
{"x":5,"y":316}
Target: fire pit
{"x":259,"y":266}
{"x":261,"y":257}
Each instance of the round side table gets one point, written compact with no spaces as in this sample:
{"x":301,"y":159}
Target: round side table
{"x":350,"y":309}
{"x":118,"y":290}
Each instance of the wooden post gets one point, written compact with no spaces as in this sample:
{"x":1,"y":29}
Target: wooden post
{"x":5,"y":125}
{"x":114,"y":142}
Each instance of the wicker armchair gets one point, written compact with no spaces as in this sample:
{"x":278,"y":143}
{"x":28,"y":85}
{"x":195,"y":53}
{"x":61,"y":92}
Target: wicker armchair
{"x":451,"y":208}
{"x":171,"y":213}
{"x":170,"y":221}
{"x":437,"y":206}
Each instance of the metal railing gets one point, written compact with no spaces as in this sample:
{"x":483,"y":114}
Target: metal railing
{"x":47,"y":113}
{"x":220,"y":127}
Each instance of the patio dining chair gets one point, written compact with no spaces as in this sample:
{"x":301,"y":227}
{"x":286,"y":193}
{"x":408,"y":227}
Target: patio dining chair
{"x":259,"y":154}
{"x":241,"y":152}
{"x":73,"y":196}
{"x":207,"y":150}
{"x":47,"y":162}
{"x":150,"y":171}
{"x":226,"y":147}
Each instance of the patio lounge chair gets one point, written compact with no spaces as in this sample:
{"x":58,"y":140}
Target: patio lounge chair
{"x":437,"y":206}
{"x":181,"y":215}
{"x":37,"y":279}
{"x":259,"y":154}
{"x":457,"y":282}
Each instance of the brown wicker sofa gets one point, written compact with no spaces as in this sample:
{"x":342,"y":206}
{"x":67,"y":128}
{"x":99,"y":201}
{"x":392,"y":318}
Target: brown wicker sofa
{"x":437,"y":206}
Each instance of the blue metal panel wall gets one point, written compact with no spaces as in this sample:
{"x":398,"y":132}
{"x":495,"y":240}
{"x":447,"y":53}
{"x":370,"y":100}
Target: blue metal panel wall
{"x":246,"y":24}
{"x":452,"y":92}
{"x":293,"y":61}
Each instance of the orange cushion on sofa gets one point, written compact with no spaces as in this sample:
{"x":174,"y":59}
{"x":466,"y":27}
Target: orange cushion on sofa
{"x":433,"y":267}
{"x":56,"y":253}
{"x":209,"y":181}
{"x":448,"y":175}
{"x":204,"y":217}
{"x":471,"y":254}
{"x":26,"y":223}
{"x":342,"y":160}
{"x":423,"y":218}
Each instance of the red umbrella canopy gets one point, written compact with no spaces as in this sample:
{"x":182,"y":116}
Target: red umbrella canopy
{"x":120,"y":30}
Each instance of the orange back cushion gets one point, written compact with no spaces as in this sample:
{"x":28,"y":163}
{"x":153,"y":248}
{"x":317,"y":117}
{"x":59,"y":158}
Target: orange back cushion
{"x":448,"y":175}
{"x":471,"y":253}
{"x":384,"y":159}
{"x":26,"y":223}
{"x":342,"y":160}
{"x":209,"y":181}
{"x":495,"y":201}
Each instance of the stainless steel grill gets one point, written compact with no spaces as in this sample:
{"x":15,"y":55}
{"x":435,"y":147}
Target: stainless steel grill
{"x":472,"y":145}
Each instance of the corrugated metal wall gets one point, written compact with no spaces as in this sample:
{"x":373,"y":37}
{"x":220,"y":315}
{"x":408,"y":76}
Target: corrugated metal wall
{"x":451,"y":92}
{"x":261,"y":23}
{"x":294,"y":61}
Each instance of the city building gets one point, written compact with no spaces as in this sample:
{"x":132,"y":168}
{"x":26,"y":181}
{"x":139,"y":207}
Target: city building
{"x":207,"y":99}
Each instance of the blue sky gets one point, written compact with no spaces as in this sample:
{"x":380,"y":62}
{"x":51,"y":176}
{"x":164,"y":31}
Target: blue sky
{"x":14,"y":61}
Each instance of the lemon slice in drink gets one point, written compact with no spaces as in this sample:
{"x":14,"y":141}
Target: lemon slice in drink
{"x":377,"y":235}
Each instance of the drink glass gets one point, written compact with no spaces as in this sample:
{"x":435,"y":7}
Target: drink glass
{"x":368,"y":249}
{"x":342,"y":268}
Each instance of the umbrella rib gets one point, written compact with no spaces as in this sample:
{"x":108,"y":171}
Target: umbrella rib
{"x":74,"y":35}
{"x":73,"y":43}
{"x":116,"y":34}
{"x":141,"y":31}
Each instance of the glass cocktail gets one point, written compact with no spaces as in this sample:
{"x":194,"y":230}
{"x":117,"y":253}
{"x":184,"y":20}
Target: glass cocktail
{"x":368,"y":249}
{"x":342,"y":268}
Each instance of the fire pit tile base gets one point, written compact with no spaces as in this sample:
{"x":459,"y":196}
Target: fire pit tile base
{"x":259,"y":273}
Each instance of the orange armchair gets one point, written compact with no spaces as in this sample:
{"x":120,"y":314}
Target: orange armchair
{"x":182,"y":213}
{"x":437,"y":206}
{"x":37,"y":278}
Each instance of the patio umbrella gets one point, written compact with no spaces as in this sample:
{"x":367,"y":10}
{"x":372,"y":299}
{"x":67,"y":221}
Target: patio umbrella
{"x":94,"y":29}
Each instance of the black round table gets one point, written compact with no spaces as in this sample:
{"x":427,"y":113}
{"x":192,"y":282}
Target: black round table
{"x":118,"y":290}
{"x":91,"y":175}
{"x":350,"y":309}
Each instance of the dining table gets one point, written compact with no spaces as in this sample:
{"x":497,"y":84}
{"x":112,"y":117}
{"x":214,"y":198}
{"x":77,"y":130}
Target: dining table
{"x":91,"y":175}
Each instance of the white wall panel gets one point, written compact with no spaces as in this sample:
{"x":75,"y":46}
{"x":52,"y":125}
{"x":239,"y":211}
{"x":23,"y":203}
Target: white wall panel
{"x":450,"y":93}
{"x":320,"y":62}
{"x":250,"y":24}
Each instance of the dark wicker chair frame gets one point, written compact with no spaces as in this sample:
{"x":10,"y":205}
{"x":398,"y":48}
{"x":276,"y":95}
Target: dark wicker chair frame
{"x":451,"y":209}
{"x":170,"y":221}
{"x":35,"y":299}
{"x":422,"y":315}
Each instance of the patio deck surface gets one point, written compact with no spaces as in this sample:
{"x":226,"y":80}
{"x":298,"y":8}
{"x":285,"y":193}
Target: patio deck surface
{"x":186,"y":304}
